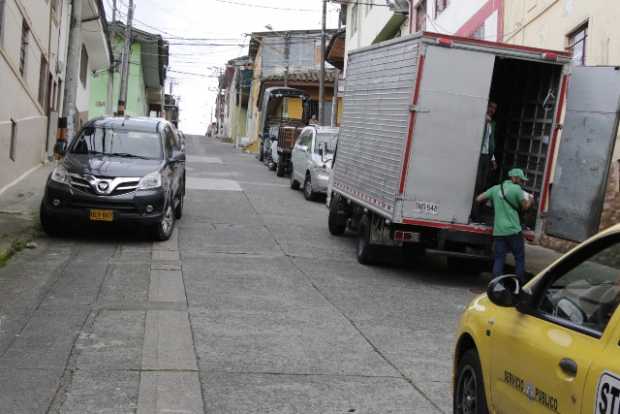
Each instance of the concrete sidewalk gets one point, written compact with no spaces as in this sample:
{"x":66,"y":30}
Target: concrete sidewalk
{"x":19,"y":212}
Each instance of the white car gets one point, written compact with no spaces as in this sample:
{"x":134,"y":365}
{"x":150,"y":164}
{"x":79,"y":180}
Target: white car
{"x":312,"y":160}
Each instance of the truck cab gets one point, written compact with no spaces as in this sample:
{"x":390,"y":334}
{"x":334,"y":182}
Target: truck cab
{"x":282,"y":116}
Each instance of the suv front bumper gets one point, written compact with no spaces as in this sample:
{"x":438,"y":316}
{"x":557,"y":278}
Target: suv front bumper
{"x":76,"y":204}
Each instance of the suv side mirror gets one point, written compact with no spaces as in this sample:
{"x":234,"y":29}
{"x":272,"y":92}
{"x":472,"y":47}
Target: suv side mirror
{"x":504,"y":291}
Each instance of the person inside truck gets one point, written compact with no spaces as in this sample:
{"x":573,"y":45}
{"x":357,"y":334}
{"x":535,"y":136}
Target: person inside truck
{"x":487,"y":150}
{"x":487,"y":164}
{"x":509,"y":200}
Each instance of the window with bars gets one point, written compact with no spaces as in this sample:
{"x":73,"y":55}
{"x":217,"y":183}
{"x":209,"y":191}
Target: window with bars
{"x":2,"y":3}
{"x":84,"y":66}
{"x":13,"y":142}
{"x":440,"y":6}
{"x":23,"y":50}
{"x":577,"y":43}
{"x":43,"y":81}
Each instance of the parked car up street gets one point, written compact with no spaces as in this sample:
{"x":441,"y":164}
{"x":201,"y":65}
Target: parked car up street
{"x":119,"y":170}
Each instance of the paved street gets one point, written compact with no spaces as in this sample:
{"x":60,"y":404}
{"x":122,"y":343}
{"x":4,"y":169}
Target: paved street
{"x":252,"y":307}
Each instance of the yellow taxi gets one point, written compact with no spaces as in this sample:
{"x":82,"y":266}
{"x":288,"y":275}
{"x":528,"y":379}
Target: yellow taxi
{"x":551,"y":346}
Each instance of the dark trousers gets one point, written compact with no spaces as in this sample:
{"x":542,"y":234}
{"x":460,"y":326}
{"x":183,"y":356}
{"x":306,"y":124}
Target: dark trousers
{"x":514,"y":244}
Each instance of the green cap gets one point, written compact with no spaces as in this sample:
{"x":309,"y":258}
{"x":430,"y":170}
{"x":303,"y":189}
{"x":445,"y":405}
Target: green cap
{"x":518,"y":173}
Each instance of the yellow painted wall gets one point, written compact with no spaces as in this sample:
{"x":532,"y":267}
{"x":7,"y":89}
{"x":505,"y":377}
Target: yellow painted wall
{"x":295,"y":108}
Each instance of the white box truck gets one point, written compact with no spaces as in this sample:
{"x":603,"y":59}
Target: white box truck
{"x":411,"y":133}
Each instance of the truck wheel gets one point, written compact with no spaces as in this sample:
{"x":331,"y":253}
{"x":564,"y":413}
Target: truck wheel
{"x":50,"y":226}
{"x":336,"y":224}
{"x":469,"y":396}
{"x":308,"y":193}
{"x":365,"y":251}
{"x":163,"y":230}
{"x":280,"y":170}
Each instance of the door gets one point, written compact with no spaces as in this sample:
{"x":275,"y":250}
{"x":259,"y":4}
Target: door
{"x":540,"y":360}
{"x":299,"y":154}
{"x":172,"y":167}
{"x":602,"y":392}
{"x":582,"y":167}
{"x":447,"y":137}
{"x":309,"y":153}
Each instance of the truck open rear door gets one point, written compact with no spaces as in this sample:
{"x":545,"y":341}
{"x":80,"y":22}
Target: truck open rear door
{"x":582,"y":167}
{"x":448,"y":122}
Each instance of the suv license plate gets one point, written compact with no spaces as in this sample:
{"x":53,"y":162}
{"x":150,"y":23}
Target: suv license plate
{"x":101,"y":215}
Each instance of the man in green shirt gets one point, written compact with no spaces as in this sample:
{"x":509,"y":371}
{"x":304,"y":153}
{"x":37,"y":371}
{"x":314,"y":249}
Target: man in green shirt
{"x":508,"y":200}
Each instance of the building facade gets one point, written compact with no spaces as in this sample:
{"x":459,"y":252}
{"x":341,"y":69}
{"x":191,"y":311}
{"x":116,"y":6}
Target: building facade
{"x":591,"y":31}
{"x":375,"y":21}
{"x":290,"y":58}
{"x":33,"y":55}
{"x":235,"y":84}
{"x":148,"y":64}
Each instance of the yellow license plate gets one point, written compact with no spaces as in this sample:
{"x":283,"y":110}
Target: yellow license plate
{"x":101,"y":215}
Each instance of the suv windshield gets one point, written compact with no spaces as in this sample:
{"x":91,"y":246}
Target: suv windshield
{"x":329,"y":139}
{"x":118,"y":142}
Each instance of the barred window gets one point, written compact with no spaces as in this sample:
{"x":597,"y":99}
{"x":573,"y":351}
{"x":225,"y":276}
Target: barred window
{"x":23,"y":50}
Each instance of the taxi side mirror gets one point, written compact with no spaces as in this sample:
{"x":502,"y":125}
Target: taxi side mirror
{"x":504,"y":291}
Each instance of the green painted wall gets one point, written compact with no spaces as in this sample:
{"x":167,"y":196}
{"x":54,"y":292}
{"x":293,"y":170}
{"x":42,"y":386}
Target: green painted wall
{"x":136,"y":91}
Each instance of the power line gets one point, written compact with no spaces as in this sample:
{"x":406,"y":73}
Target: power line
{"x":261,"y":6}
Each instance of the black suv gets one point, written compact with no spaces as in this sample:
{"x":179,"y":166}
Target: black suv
{"x":119,"y":170}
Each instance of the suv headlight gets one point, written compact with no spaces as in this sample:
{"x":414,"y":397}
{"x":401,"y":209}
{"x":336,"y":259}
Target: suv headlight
{"x":60,"y":175}
{"x":150,"y":181}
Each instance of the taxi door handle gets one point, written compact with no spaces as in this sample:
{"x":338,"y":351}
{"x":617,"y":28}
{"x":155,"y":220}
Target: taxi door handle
{"x":569,"y":367}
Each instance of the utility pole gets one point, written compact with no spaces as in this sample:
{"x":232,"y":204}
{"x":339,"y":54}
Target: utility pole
{"x":335,"y":92}
{"x":114,"y":10}
{"x":287,"y":52}
{"x":67,"y":123}
{"x":122,"y":99}
{"x":322,"y":75}
{"x":335,"y":100}
{"x":162,"y":107}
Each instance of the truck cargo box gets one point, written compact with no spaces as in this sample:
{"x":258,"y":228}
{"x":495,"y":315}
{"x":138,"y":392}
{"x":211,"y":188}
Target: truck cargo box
{"x":414,"y":116}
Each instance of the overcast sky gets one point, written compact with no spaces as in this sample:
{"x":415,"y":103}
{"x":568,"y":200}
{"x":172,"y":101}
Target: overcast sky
{"x":220,"y":25}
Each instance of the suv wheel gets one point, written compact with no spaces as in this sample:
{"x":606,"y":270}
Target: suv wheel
{"x":469,"y":397}
{"x":178,"y":211}
{"x":308,"y":193}
{"x":163,"y":230}
{"x":294,"y":182}
{"x":50,"y":226}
